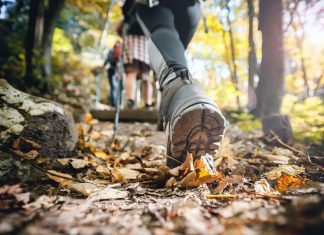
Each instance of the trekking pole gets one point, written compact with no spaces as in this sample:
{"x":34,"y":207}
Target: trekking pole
{"x":120,"y":75}
{"x":98,"y":90}
{"x":99,"y":51}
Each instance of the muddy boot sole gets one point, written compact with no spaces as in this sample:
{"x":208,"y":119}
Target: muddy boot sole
{"x":199,"y":130}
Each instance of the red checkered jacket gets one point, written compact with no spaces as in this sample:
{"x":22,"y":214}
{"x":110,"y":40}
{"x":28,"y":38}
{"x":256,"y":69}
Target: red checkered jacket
{"x":136,"y":48}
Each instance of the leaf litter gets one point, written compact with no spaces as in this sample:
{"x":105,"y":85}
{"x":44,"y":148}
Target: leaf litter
{"x":124,"y":187}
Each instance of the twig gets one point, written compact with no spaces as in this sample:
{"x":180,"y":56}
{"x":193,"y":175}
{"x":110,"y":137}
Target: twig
{"x":220,"y":196}
{"x":276,"y":137}
{"x":216,"y":196}
{"x":174,"y":159}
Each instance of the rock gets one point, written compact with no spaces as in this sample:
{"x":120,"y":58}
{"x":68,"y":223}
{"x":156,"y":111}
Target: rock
{"x":39,"y":120}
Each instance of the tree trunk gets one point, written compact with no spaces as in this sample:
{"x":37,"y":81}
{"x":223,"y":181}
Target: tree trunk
{"x":252,"y":60}
{"x":39,"y":38}
{"x":51,"y":16}
{"x":233,"y":53}
{"x":270,"y":88}
{"x":279,"y":125}
{"x":300,"y":45}
{"x":33,"y":42}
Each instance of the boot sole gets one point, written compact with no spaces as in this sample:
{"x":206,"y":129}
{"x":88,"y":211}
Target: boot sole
{"x":198,"y":130}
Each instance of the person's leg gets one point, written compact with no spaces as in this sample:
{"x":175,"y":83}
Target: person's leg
{"x":147,"y":92}
{"x":147,"y":86}
{"x":194,"y":122}
{"x":113,"y":86}
{"x":130,"y":85}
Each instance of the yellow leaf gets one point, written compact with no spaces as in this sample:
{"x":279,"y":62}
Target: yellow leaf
{"x":101,"y":154}
{"x":61,"y":178}
{"x":88,"y":118}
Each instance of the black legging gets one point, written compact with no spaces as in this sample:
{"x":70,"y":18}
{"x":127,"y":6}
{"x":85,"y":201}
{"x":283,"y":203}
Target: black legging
{"x":170,"y":26}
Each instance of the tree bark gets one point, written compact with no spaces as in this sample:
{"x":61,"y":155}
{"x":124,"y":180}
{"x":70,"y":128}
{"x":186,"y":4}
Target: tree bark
{"x":252,"y":59}
{"x":233,"y":53}
{"x":33,"y":41}
{"x":279,"y":125}
{"x":41,"y":25}
{"x":300,"y":45}
{"x":270,"y":88}
{"x":51,"y":16}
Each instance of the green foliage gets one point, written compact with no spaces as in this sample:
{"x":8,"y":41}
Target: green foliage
{"x":246,"y":122}
{"x":224,"y":95}
{"x":307,"y":118}
{"x":61,"y":43}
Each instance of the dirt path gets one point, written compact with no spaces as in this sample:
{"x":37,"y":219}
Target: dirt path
{"x":264,"y":190}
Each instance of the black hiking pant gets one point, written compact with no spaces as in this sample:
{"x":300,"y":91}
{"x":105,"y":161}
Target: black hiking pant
{"x":170,"y":27}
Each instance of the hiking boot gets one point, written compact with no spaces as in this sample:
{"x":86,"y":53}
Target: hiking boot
{"x":130,"y":104}
{"x":193,"y":122}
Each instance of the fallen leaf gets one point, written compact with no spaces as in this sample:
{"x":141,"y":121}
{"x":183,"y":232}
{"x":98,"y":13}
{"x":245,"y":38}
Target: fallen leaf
{"x":262,"y":187}
{"x":84,"y":188}
{"x":88,"y":118}
{"x":61,"y":178}
{"x":116,"y":145}
{"x":274,"y":158}
{"x":117,"y":175}
{"x":129,"y":174}
{"x":101,"y":154}
{"x":108,"y":193}
{"x":235,"y":179}
{"x":103,"y":171}
{"x":185,"y":167}
{"x":74,"y":162}
{"x":287,"y":182}
{"x":194,"y":173}
{"x":287,"y":169}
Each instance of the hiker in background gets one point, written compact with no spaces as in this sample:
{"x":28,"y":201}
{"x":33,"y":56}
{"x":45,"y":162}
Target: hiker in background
{"x":136,"y":63}
{"x":112,"y":59}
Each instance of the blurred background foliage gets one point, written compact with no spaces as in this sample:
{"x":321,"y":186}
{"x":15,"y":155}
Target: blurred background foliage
{"x":219,"y":58}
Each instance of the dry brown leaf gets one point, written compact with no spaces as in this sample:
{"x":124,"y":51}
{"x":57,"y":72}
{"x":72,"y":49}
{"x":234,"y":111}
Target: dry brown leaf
{"x":116,"y":145}
{"x":84,"y":188}
{"x":61,"y":178}
{"x":108,"y":193}
{"x":287,"y":182}
{"x":117,"y":175}
{"x":282,"y":152}
{"x":74,"y":162}
{"x":185,"y":167}
{"x":263,"y":187}
{"x":170,"y":182}
{"x":129,"y":174}
{"x":103,"y":171}
{"x":194,"y":173}
{"x":235,"y":179}
{"x":287,"y":169}
{"x":274,"y":158}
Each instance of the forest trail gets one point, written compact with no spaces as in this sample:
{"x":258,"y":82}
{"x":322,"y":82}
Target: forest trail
{"x":118,"y":189}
